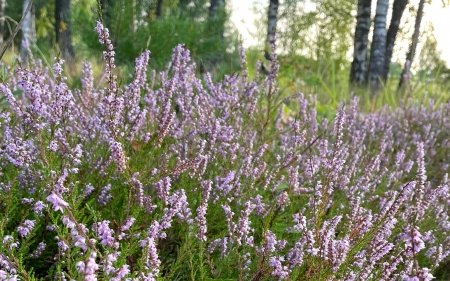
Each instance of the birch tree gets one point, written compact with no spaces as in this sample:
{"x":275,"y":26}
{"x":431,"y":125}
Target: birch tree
{"x":272,"y":19}
{"x":216,"y":15}
{"x":359,"y":65}
{"x":28,"y":32}
{"x":216,"y":10}
{"x":63,"y":29}
{"x":214,"y":6}
{"x":106,"y":15}
{"x":2,"y":20}
{"x":413,"y":46}
{"x":134,"y":19}
{"x":378,"y":48}
{"x":159,"y":9}
{"x":397,"y":13}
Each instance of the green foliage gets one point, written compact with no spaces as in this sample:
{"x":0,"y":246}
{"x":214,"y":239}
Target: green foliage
{"x":199,"y":34}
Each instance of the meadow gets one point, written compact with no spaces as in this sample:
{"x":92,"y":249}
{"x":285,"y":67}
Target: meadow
{"x":172,"y":176}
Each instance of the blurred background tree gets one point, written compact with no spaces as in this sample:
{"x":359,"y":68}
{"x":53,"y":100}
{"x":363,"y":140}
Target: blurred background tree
{"x":159,"y":26}
{"x":323,"y":45}
{"x":28,"y":31}
{"x":65,"y":28}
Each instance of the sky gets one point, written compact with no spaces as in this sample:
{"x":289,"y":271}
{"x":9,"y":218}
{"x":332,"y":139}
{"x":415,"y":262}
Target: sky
{"x":243,"y":17}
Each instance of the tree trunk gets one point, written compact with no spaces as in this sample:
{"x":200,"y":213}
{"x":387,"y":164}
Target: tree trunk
{"x":2,"y":20}
{"x":134,"y":19}
{"x":378,"y":49}
{"x":413,"y":46}
{"x":159,"y":9}
{"x":214,"y":6}
{"x":359,"y":66}
{"x":397,"y":12}
{"x":106,"y":15}
{"x":63,"y":29}
{"x":272,"y":18}
{"x":216,"y":26}
{"x":28,"y":32}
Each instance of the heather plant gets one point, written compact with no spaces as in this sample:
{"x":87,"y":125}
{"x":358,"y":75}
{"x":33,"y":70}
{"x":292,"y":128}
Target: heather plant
{"x":174,"y":177}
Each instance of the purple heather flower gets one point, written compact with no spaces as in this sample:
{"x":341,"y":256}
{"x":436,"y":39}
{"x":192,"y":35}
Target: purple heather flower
{"x":108,"y":263}
{"x":51,"y":227}
{"x":58,"y":203}
{"x":279,"y":270}
{"x":243,"y":229}
{"x":118,"y":155}
{"x":300,"y":223}
{"x":25,"y":228}
{"x":88,"y":189}
{"x":270,"y":242}
{"x":105,"y":195}
{"x":38,"y":207}
{"x":78,"y":233}
{"x":413,"y":238}
{"x":152,"y":262}
{"x":5,"y":276}
{"x":39,"y":250}
{"x":57,"y":67}
{"x":88,"y":268}
{"x":421,"y":171}
{"x":295,"y":255}
{"x":201,"y":221}
{"x":8,"y":240}
{"x":125,"y":227}
{"x":87,"y":80}
{"x":63,"y":246}
{"x":121,"y":273}
{"x":106,"y":234}
{"x":128,"y":223}
{"x":27,"y":201}
{"x":229,"y":217}
{"x":283,"y":200}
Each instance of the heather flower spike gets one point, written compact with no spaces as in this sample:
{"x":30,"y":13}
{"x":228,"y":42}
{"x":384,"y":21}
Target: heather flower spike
{"x":175,"y":175}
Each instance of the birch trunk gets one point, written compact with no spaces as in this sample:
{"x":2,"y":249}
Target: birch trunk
{"x":272,"y":19}
{"x":358,"y":70}
{"x":397,"y":13}
{"x":413,"y":46}
{"x":2,"y":20}
{"x":378,"y":49}
{"x":134,"y":18}
{"x":214,"y":7}
{"x":106,"y":6}
{"x":216,"y":14}
{"x":28,"y":33}
{"x":159,"y":9}
{"x":63,"y":29}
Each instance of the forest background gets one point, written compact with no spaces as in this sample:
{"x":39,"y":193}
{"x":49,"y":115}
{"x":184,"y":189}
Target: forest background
{"x":334,"y":49}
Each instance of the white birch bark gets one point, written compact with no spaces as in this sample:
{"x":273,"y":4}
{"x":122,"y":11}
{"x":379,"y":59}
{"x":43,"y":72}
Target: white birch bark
{"x":413,"y":46}
{"x":2,"y":19}
{"x":28,"y":33}
{"x":272,"y":19}
{"x":378,"y":49}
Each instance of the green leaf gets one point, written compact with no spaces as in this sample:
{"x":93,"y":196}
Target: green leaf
{"x":4,"y":73}
{"x":17,"y":93}
{"x":282,"y":186}
{"x":312,"y":80}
